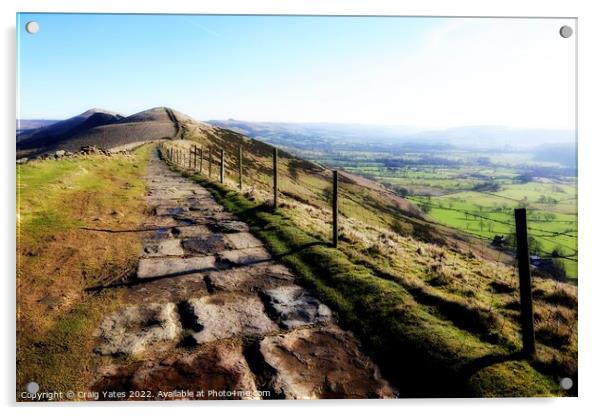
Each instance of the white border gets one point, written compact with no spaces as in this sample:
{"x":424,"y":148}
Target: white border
{"x":590,"y":134}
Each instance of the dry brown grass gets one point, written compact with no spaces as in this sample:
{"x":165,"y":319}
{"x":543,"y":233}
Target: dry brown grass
{"x":57,"y":259}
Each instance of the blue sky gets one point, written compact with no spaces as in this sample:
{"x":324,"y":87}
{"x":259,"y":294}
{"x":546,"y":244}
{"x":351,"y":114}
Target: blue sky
{"x":425,"y":72}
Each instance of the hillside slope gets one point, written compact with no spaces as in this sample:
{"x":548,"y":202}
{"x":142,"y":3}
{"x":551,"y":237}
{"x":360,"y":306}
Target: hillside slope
{"x":425,"y":297}
{"x":444,"y":299}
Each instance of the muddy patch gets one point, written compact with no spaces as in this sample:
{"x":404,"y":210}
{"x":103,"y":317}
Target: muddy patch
{"x":206,"y":244}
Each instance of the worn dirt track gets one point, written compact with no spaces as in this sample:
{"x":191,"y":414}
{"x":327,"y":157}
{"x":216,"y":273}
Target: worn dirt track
{"x":212,"y":316}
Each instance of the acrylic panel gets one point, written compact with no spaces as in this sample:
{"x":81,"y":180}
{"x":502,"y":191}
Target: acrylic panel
{"x":295,"y":207}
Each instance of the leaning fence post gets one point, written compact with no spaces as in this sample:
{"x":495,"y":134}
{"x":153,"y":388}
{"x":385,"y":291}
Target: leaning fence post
{"x":210,"y":163}
{"x":240,"y":167}
{"x":221,"y":164}
{"x":275,"y":174}
{"x":335,"y":208}
{"x":524,"y":275}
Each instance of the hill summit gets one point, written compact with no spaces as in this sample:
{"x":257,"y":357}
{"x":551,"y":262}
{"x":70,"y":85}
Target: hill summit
{"x":103,"y":129}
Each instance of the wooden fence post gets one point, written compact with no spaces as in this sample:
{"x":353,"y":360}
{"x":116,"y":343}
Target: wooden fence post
{"x":275,"y":174}
{"x":195,"y":156}
{"x":189,"y":157}
{"x":335,"y":208}
{"x":524,"y":275}
{"x":210,"y":163}
{"x":222,"y":167}
{"x":201,"y":165}
{"x":240,"y":167}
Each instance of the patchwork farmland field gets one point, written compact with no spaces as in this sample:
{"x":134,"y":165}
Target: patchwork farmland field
{"x":476,"y":193}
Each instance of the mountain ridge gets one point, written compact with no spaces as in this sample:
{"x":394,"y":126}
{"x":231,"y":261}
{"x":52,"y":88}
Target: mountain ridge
{"x":102,"y":128}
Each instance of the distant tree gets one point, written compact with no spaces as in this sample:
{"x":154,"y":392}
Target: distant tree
{"x":549,"y":216}
{"x":524,"y":178}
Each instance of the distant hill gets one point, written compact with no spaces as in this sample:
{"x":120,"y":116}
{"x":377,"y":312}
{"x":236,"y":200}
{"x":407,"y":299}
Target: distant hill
{"x":364,"y":137}
{"x":24,"y":126}
{"x":101,"y":128}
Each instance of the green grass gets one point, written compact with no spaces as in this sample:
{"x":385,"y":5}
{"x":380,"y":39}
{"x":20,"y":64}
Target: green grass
{"x":545,"y":220}
{"x":57,"y":260}
{"x":424,"y":354}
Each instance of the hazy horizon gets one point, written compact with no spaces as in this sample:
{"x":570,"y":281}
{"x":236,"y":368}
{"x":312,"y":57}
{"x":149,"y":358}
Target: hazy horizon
{"x":428,"y":73}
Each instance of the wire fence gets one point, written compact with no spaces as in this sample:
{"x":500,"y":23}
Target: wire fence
{"x":231,"y":163}
{"x":276,"y":182}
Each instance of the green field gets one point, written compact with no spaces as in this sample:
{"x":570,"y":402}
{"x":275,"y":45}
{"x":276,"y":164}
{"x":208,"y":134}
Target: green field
{"x":477,"y":195}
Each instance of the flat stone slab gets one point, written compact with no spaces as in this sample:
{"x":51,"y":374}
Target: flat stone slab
{"x":244,"y":256}
{"x":322,"y":363}
{"x":163,"y":247}
{"x":250,"y":278}
{"x":169,"y":210}
{"x":224,"y":316}
{"x":214,"y":371}
{"x":164,"y":267}
{"x":206,"y":244}
{"x":206,"y":205}
{"x":242,"y":240}
{"x":190,"y":231}
{"x":292,"y":306}
{"x":202,"y":217}
{"x":228,"y":226}
{"x":174,"y":289}
{"x":132,"y":330}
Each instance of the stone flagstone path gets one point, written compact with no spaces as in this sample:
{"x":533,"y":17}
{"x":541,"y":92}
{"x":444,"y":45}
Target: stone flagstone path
{"x":212,"y":312}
